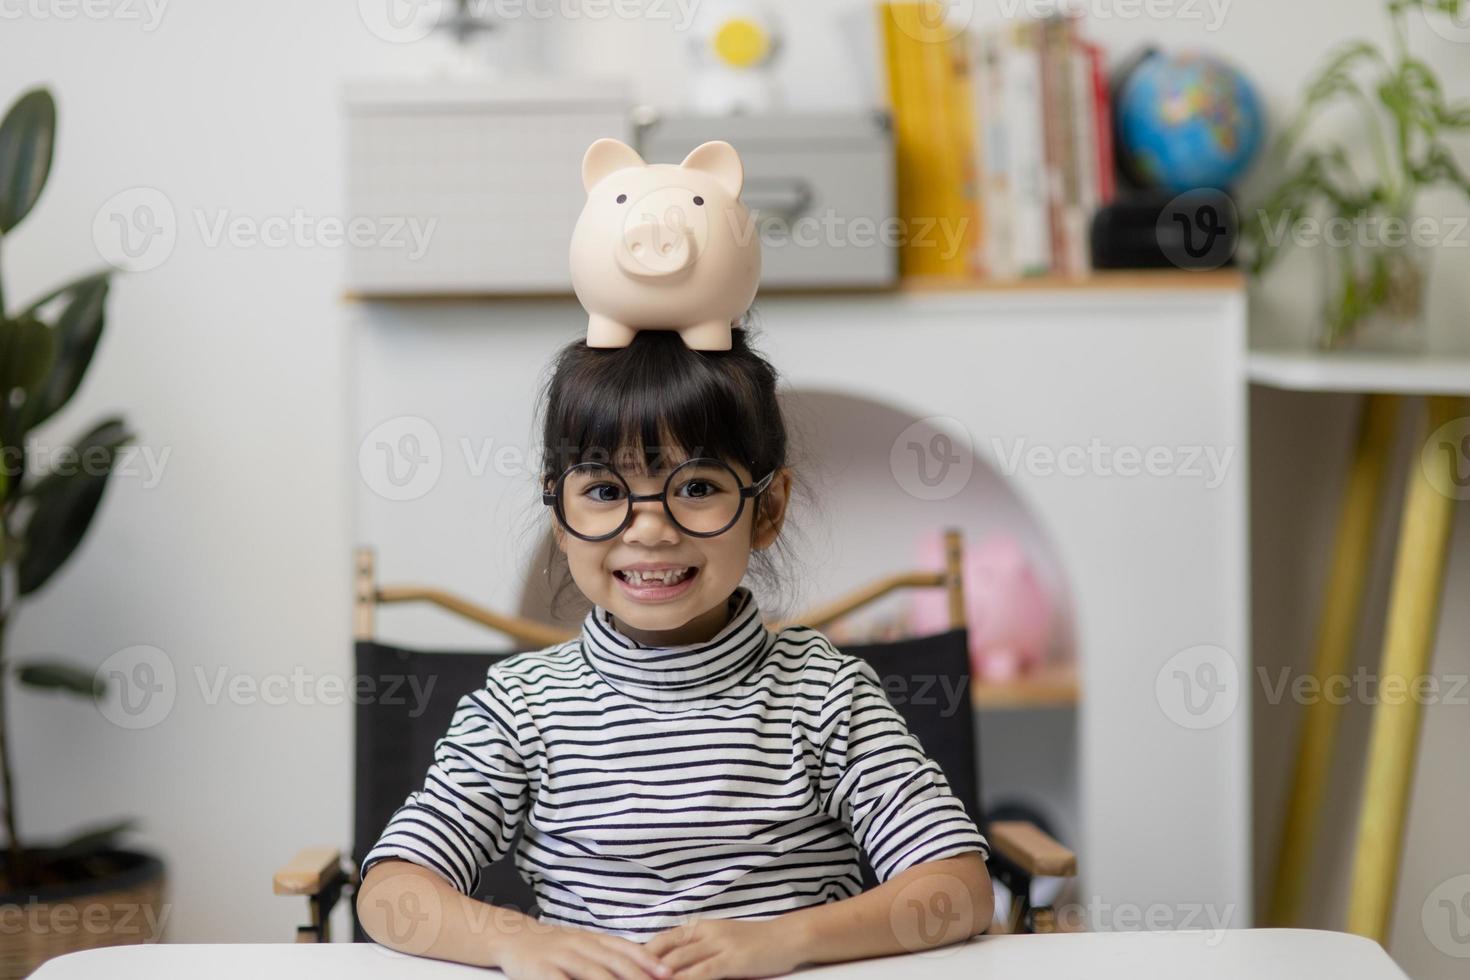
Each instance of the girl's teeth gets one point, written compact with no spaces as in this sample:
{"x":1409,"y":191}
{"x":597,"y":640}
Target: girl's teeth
{"x":668,"y":577}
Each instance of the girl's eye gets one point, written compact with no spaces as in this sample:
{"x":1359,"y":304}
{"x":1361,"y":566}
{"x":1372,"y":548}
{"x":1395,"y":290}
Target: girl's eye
{"x":622,"y":199}
{"x":698,"y":489}
{"x":699,"y":201}
{"x":604,"y":493}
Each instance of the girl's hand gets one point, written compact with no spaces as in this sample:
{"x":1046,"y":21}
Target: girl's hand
{"x":569,"y":953}
{"x":708,"y":949}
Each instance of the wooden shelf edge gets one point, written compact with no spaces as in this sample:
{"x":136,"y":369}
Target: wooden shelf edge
{"x":1104,"y":279}
{"x":1052,"y":686}
{"x":1162,"y":280}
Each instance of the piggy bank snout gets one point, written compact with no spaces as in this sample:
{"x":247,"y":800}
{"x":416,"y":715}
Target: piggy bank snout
{"x":651,"y":249}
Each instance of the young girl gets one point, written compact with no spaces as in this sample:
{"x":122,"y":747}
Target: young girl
{"x":692,"y":788}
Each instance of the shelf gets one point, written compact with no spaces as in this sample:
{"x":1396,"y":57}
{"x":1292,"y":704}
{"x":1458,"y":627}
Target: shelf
{"x":1051,"y":686}
{"x":1155,"y":280}
{"x":1361,"y":371}
{"x":1164,"y":280}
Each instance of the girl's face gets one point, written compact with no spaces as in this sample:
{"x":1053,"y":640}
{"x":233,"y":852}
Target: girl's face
{"x":695,"y":608}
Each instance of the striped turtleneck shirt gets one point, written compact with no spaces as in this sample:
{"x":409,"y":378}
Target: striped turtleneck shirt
{"x":733,"y":778}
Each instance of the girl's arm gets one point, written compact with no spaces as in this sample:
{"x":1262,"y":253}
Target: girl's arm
{"x":412,"y":909}
{"x":931,"y":904}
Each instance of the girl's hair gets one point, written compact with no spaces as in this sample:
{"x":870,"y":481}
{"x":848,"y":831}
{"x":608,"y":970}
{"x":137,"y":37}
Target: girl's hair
{"x":646,"y":406}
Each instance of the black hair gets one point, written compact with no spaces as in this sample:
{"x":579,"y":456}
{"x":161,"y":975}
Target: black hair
{"x":647,"y":406}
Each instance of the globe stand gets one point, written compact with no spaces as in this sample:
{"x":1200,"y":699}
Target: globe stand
{"x":1150,"y":229}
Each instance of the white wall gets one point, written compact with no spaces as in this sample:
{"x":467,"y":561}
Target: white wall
{"x":234,"y":359}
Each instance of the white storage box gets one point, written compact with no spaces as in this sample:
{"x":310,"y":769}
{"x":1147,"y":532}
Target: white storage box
{"x":820,"y":187}
{"x":470,"y":186}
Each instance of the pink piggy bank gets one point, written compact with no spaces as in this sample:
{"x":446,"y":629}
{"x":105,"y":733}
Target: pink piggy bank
{"x":664,"y":247}
{"x":1007,"y":610}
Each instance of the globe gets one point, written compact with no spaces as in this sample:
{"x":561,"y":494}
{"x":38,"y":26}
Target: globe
{"x":1187,"y":121}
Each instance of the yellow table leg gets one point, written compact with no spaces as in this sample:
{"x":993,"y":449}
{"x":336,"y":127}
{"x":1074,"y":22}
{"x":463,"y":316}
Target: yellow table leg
{"x":1413,"y":614}
{"x":1341,"y":606}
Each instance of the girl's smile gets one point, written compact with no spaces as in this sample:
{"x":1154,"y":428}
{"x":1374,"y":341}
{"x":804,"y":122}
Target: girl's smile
{"x":656,"y":582}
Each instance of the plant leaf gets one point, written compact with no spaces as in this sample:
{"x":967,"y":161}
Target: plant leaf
{"x":27,"y":139}
{"x":1455,"y":115}
{"x":1423,"y":99}
{"x":59,"y":676}
{"x":1309,"y":184}
{"x":27,"y":352}
{"x":78,"y":329}
{"x":1439,"y":166}
{"x":1335,"y":78}
{"x":65,"y":503}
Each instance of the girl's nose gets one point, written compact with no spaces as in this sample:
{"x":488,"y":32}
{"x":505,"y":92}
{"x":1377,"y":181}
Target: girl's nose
{"x":650,"y":525}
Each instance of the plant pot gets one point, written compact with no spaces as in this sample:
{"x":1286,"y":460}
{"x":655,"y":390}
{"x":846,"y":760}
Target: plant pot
{"x":121,"y":907}
{"x":1376,"y":283}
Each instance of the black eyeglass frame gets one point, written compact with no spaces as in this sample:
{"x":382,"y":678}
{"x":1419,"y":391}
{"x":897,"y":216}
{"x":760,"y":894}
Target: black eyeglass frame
{"x":751,"y":491}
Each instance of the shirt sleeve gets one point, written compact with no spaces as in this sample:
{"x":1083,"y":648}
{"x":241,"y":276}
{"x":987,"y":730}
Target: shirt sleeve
{"x":474,"y":794}
{"x":877,"y":780}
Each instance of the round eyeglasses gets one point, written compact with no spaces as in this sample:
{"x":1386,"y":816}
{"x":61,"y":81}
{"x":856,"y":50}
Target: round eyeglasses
{"x":703,"y":497}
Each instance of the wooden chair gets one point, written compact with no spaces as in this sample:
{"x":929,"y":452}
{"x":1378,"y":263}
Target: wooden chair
{"x":395,"y":747}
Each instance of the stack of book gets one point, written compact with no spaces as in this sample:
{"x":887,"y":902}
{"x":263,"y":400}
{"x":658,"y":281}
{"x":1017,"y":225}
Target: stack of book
{"x":1003,"y":142}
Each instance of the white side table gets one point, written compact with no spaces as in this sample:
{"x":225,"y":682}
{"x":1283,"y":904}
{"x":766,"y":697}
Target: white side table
{"x":1434,"y":482}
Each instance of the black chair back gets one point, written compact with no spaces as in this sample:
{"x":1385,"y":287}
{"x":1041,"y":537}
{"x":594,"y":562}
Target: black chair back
{"x":927,"y":679}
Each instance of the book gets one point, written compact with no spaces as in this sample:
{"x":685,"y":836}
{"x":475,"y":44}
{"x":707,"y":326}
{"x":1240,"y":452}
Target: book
{"x":933,"y":141}
{"x":962,"y":210}
{"x":1064,"y":175}
{"x":1031,"y":238}
{"x":1084,"y":134}
{"x":1107,"y":187}
{"x":996,"y":250}
{"x":1002,"y":139}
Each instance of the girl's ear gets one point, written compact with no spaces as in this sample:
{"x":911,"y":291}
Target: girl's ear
{"x":770,"y":512}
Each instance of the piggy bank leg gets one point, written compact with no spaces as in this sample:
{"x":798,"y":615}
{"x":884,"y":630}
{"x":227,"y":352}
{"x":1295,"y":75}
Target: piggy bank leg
{"x":710,"y":335}
{"x":606,"y":332}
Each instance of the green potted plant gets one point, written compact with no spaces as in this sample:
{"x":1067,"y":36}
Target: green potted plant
{"x":85,"y":891}
{"x":1374,"y":244}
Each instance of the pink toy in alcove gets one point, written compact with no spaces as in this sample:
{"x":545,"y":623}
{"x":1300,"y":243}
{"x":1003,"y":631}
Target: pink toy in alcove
{"x":1008,"y":611}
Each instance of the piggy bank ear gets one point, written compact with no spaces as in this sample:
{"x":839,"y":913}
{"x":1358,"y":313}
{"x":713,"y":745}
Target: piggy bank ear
{"x":604,"y":157}
{"x":720,"y":161}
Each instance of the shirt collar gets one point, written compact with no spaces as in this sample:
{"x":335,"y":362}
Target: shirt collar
{"x":677,"y":673}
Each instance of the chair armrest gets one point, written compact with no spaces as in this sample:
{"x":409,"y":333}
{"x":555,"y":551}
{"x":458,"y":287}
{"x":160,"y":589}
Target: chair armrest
{"x":1030,"y":848}
{"x":309,"y":872}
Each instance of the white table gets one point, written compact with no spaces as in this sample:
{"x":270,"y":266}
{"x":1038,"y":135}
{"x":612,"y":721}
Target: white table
{"x":1240,"y":954}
